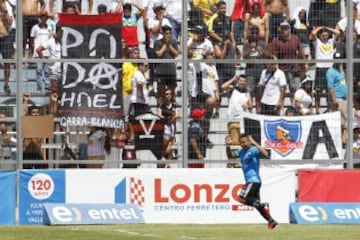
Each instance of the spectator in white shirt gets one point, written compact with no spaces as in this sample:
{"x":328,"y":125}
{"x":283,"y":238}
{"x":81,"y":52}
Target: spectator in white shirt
{"x":303,"y":97}
{"x":40,"y":34}
{"x":240,"y":98}
{"x":272,"y":86}
{"x":53,"y":45}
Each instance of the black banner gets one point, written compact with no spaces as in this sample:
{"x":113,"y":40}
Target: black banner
{"x":91,"y":93}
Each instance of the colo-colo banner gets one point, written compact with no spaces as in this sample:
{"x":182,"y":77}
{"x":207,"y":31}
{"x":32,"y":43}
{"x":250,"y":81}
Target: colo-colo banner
{"x":91,"y":93}
{"x":301,"y":137}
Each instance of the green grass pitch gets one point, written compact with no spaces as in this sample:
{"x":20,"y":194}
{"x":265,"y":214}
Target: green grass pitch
{"x":181,"y":232}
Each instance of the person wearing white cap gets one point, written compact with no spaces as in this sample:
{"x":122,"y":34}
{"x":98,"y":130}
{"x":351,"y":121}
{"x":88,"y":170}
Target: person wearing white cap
{"x":303,"y":98}
{"x":155,"y":25}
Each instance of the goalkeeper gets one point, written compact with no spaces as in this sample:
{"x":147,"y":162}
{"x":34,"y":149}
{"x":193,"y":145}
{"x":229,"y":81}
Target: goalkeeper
{"x":249,"y":155}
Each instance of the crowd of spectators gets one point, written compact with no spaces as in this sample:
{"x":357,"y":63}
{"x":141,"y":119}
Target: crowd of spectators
{"x":255,"y":30}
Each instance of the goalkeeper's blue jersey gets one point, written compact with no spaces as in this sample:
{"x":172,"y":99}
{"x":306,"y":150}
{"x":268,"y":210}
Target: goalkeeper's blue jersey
{"x":250,"y":163}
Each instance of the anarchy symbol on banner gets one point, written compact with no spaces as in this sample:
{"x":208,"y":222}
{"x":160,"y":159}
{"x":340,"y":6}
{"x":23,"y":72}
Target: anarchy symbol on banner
{"x":103,"y":71}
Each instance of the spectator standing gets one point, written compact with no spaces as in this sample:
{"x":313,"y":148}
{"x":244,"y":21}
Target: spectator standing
{"x":147,"y":15}
{"x":222,"y":37}
{"x":208,"y":94}
{"x":53,"y":46}
{"x":155,"y":25}
{"x":130,"y":20}
{"x":341,"y":27}
{"x":240,"y":99}
{"x":271,"y":94}
{"x":174,"y":12}
{"x":169,"y":110}
{"x":302,"y":29}
{"x":207,"y":7}
{"x":30,"y":11}
{"x":323,"y":39}
{"x":98,"y":146}
{"x":199,"y":44}
{"x":254,"y":49}
{"x":128,"y":70}
{"x":197,"y":47}
{"x":303,"y":97}
{"x":325,"y":13}
{"x":287,"y":46}
{"x":257,"y":16}
{"x":278,"y":11}
{"x":138,"y":85}
{"x":6,"y":40}
{"x":32,"y":146}
{"x":338,"y":93}
{"x":166,"y":48}
{"x":238,"y":17}
{"x":197,"y":139}
{"x":40,"y":34}
{"x":249,"y":155}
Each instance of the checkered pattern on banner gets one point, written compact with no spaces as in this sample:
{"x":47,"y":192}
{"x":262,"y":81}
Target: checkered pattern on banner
{"x":137,"y":192}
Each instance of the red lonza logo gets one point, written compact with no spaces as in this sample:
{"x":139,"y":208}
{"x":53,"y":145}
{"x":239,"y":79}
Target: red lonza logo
{"x":196,"y":193}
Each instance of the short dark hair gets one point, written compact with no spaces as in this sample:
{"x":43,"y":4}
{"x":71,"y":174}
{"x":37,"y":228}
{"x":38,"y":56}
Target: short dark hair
{"x":127,"y":6}
{"x":70,"y":5}
{"x":33,"y":107}
{"x":220,"y":3}
{"x":244,"y":135}
{"x":102,"y":8}
{"x":165,"y":28}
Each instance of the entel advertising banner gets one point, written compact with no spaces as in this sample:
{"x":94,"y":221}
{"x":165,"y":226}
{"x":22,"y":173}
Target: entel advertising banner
{"x":81,"y":213}
{"x":172,"y":196}
{"x":7,"y":197}
{"x":325,"y":213}
{"x":300,"y":137}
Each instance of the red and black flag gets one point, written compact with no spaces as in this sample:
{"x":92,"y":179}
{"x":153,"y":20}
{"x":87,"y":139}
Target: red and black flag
{"x":91,"y":92}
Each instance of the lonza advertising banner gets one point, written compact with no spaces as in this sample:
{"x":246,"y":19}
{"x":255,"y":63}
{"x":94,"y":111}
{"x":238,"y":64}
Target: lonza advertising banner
{"x":303,"y":137}
{"x":172,"y":196}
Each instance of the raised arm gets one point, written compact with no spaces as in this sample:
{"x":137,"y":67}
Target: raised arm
{"x":257,"y":145}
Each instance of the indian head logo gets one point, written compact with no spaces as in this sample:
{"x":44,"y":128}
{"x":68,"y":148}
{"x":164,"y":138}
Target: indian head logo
{"x":283,"y":136}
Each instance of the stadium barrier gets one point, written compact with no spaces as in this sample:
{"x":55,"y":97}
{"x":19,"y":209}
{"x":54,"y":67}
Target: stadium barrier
{"x":192,"y":195}
{"x":325,"y":213}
